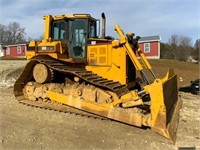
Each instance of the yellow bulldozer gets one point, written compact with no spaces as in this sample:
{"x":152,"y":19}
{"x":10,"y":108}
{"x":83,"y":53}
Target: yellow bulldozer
{"x":74,"y":69}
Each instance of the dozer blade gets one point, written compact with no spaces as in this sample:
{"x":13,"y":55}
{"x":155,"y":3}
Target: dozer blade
{"x":165,"y":105}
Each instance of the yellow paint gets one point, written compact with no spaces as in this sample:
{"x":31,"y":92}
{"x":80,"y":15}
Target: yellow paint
{"x":30,"y":54}
{"x":144,"y":59}
{"x":73,"y":16}
{"x":47,"y":26}
{"x":99,"y":55}
{"x":123,"y":40}
{"x":157,"y":100}
{"x":132,"y":95}
{"x":109,"y":112}
{"x":32,"y":43}
{"x":74,"y":101}
{"x":157,"y":90}
{"x":114,"y":66}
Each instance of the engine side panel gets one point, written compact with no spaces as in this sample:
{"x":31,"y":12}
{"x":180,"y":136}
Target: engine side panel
{"x":107,"y":62}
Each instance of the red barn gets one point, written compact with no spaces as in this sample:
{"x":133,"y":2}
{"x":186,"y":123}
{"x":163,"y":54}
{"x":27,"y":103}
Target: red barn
{"x":15,"y":50}
{"x":150,"y":46}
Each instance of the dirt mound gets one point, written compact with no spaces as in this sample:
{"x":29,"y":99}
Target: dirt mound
{"x":9,"y":76}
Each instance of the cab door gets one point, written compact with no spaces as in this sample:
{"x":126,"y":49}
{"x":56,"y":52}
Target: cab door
{"x":78,"y":39}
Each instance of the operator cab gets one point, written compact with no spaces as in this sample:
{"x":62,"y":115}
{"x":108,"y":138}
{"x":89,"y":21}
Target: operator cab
{"x":74,"y":32}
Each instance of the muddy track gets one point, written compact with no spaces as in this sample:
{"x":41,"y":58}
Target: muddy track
{"x":64,"y":68}
{"x":59,"y":107}
{"x":85,"y":75}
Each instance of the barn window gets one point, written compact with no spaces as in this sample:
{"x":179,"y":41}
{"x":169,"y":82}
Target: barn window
{"x":19,"y":50}
{"x":146,"y":47}
{"x":8,"y":51}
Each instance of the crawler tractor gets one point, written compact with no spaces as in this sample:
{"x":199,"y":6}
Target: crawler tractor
{"x":73,"y":69}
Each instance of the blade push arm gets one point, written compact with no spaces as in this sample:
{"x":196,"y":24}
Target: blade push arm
{"x":124,"y":41}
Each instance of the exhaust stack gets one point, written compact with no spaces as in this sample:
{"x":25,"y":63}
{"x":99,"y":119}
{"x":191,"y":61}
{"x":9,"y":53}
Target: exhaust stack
{"x":103,"y":25}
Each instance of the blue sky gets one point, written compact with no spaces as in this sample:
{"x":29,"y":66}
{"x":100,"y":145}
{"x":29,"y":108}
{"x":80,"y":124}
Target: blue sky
{"x":142,"y":17}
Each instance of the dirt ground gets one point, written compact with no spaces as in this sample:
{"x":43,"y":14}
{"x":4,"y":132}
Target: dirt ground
{"x":25,"y":127}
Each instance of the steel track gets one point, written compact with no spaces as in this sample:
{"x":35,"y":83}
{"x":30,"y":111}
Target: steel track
{"x":87,"y":76}
{"x":65,"y":68}
{"x":58,"y":107}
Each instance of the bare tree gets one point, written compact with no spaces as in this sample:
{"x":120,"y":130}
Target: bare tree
{"x":197,"y":44}
{"x":2,"y":33}
{"x":166,"y":51}
{"x":185,"y":41}
{"x":174,"y":43}
{"x":195,"y":52}
{"x":13,"y":33}
{"x":16,"y":33}
{"x":182,"y":46}
{"x":174,"y":40}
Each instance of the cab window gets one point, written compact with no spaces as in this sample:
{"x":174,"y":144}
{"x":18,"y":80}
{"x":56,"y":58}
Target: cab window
{"x":78,"y":41}
{"x":58,"y":30}
{"x":92,"y":29}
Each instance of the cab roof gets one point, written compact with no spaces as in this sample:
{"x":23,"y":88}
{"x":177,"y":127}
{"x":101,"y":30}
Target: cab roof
{"x":73,"y":16}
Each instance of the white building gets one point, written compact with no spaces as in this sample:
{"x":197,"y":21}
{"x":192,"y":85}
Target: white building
{"x":1,"y":50}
